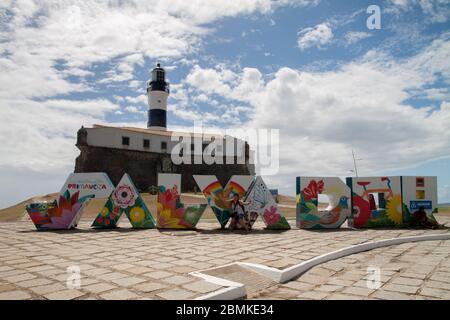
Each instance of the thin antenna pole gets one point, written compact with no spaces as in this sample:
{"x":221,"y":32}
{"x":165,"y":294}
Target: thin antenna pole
{"x":354,"y":163}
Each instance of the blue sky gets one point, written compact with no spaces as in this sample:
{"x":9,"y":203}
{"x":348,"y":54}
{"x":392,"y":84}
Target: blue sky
{"x":310,"y":68}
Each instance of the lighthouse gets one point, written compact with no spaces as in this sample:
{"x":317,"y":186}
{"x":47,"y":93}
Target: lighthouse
{"x":157,"y":93}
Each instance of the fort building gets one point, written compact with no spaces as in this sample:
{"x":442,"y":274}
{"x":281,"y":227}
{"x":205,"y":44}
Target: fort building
{"x":145,"y":152}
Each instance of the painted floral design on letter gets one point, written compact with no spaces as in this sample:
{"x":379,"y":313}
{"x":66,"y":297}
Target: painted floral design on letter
{"x":125,"y":199}
{"x":57,"y":216}
{"x":271,"y":215}
{"x":63,"y":214}
{"x":124,"y":196}
{"x":171,"y":212}
{"x":313,"y":189}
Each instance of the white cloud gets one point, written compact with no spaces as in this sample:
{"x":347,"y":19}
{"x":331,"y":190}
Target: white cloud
{"x":96,"y":107}
{"x":133,"y":109}
{"x":435,"y":11}
{"x":135,"y":84}
{"x":201,"y":98}
{"x":41,"y":135}
{"x":219,"y":81}
{"x":36,"y":35}
{"x":43,"y":44}
{"x":437,"y":94}
{"x":209,"y":80}
{"x":141,"y":99}
{"x":124,"y":69}
{"x":317,"y":36}
{"x":354,"y":36}
{"x":362,"y":105}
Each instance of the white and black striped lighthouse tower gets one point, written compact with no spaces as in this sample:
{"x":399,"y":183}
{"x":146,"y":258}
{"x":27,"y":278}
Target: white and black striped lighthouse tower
{"x":157,"y":92}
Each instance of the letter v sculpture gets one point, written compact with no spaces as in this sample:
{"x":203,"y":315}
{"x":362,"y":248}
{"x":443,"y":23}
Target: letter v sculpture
{"x":125,"y":199}
{"x":262,"y":203}
{"x":218,"y":197}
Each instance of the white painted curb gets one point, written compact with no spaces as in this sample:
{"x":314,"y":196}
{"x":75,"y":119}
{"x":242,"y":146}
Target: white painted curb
{"x":232,"y":291}
{"x":236,"y":290}
{"x":292,"y":272}
{"x":269,"y":272}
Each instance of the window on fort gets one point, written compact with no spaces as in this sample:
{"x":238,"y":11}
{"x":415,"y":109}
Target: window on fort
{"x":163,"y":145}
{"x":125,"y":141}
{"x":146,"y":143}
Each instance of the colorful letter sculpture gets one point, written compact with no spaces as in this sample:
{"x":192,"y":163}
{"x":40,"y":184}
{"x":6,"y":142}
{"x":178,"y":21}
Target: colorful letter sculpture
{"x":419,"y":193}
{"x":218,"y":197}
{"x":76,"y":192}
{"x":125,"y":199}
{"x":172,"y":213}
{"x":263,"y":204}
{"x":399,"y":198}
{"x":369,"y":202}
{"x":308,"y":214}
{"x":366,"y":214}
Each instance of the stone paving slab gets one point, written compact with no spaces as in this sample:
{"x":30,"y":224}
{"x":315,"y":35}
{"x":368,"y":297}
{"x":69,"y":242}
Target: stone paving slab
{"x":124,"y":263}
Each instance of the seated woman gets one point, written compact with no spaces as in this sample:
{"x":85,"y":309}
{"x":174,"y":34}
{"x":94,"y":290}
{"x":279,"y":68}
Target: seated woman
{"x":238,"y":216}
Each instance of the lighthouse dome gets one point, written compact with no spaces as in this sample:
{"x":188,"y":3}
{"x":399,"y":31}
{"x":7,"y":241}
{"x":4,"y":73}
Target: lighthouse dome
{"x":158,"y":80}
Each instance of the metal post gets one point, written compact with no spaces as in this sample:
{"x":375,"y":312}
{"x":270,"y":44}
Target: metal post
{"x":354,"y":163}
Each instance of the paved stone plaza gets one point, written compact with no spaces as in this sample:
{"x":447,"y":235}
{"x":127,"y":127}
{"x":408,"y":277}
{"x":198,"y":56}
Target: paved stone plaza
{"x":418,"y":270}
{"x":152,"y":264}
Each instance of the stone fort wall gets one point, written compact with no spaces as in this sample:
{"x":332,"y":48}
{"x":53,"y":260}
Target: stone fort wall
{"x":143,"y":167}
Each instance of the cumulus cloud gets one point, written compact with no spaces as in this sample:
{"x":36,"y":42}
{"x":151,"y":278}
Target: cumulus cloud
{"x":50,"y":50}
{"x":435,"y":11}
{"x":209,"y":80}
{"x":40,"y":135}
{"x":224,"y":82}
{"x":133,"y":109}
{"x":141,"y":99}
{"x":43,"y":42}
{"x":363,"y":106}
{"x":354,"y":36}
{"x":317,"y":36}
